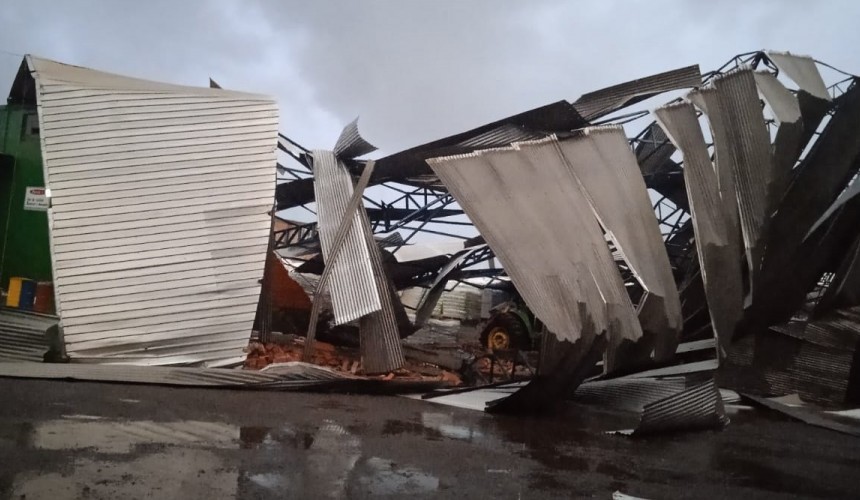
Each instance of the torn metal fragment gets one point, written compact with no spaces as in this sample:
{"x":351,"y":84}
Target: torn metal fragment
{"x":747,"y":151}
{"x":351,"y":144}
{"x":719,"y":257}
{"x":604,"y":101}
{"x":513,"y":196}
{"x":601,"y":161}
{"x":353,"y":289}
{"x":802,"y":70}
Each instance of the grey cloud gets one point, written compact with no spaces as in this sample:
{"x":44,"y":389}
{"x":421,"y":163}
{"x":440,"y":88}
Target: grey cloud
{"x":415,"y":71}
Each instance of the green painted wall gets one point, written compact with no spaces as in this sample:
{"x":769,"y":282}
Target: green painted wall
{"x":24,"y":241}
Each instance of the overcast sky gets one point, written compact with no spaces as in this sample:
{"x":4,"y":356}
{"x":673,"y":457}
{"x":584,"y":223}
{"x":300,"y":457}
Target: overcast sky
{"x":415,"y":70}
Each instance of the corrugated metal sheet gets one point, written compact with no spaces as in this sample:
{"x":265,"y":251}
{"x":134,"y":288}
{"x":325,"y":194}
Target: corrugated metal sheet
{"x":504,"y":135}
{"x":179,"y":376}
{"x":787,"y":144}
{"x":718,"y":253}
{"x":631,"y":394}
{"x":159,"y":214}
{"x":817,"y":182}
{"x":699,"y":407}
{"x":602,"y":102}
{"x":706,"y":100}
{"x":514,"y":196}
{"x":22,"y":335}
{"x":602,"y":162}
{"x":814,"y":360}
{"x":781,"y":101}
{"x":380,"y":337}
{"x":748,"y":153}
{"x":351,"y":144}
{"x":353,"y":291}
{"x":283,"y":377}
{"x":802,"y":70}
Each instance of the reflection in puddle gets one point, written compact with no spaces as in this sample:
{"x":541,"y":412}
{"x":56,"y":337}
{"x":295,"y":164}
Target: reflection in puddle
{"x":384,"y":478}
{"x":198,"y":459}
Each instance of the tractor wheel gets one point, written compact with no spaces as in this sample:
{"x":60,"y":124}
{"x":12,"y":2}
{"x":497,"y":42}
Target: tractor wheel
{"x":506,"y":331}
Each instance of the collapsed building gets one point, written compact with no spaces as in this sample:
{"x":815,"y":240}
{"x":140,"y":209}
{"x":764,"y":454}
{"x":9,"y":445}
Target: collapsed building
{"x":706,"y":241}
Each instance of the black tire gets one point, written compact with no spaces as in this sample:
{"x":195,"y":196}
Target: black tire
{"x":506,"y":324}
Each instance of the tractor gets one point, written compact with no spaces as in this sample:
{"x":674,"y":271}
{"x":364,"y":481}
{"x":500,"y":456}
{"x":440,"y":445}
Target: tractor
{"x":511,"y":325}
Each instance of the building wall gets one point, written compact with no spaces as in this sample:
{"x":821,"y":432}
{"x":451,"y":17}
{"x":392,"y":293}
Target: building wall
{"x":24,"y":243}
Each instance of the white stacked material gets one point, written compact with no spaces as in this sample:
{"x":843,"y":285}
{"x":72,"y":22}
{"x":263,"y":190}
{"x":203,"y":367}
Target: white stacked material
{"x":159,"y":213}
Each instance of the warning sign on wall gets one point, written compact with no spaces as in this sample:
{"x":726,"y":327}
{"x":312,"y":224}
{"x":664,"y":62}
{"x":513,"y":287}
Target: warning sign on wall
{"x":35,"y":198}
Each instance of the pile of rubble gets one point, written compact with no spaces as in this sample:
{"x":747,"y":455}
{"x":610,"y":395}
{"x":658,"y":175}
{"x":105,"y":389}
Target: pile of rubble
{"x":340,"y":359}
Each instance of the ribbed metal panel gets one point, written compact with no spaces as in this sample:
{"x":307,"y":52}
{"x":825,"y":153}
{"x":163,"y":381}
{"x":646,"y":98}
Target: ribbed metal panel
{"x":502,"y":136}
{"x":283,"y":377}
{"x":353,"y":290}
{"x":351,"y":144}
{"x":699,"y":407}
{"x":22,"y":335}
{"x":380,"y":338}
{"x":602,"y":162}
{"x":602,"y":102}
{"x":513,"y":196}
{"x":706,"y":100}
{"x":629,"y":394}
{"x":781,"y":101}
{"x":802,"y":70}
{"x":196,"y":377}
{"x":159,"y":217}
{"x":748,"y":152}
{"x":718,"y":255}
{"x":787,"y":145}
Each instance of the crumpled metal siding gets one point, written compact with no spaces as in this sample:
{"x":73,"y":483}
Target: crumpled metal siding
{"x":602,"y":162}
{"x":351,"y":144}
{"x":353,"y":292}
{"x":553,"y":266}
{"x":159,"y":220}
{"x":378,"y":331}
{"x":602,"y":102}
{"x":698,"y":407}
{"x":802,"y":70}
{"x":748,"y":153}
{"x":706,"y":100}
{"x":718,"y":252}
{"x":631,"y":394}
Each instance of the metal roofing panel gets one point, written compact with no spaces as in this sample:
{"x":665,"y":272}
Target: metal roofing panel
{"x":780,"y":99}
{"x":706,"y":100}
{"x":802,"y":70}
{"x":352,"y":285}
{"x":699,"y":407}
{"x":602,"y":102}
{"x":602,"y":162}
{"x":513,"y":196}
{"x":630,"y":394}
{"x":718,"y":253}
{"x":379,"y":335}
{"x":788,"y":143}
{"x":138,"y":231}
{"x":351,"y":144}
{"x":748,"y":152}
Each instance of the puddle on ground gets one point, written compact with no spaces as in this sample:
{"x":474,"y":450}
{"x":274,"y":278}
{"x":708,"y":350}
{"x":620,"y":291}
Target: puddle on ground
{"x":379,"y":477}
{"x":198,"y":459}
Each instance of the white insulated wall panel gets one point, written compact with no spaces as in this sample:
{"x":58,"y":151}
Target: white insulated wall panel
{"x":159,"y":214}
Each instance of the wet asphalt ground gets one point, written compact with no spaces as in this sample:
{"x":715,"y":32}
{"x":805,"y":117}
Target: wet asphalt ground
{"x":63,"y":440}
